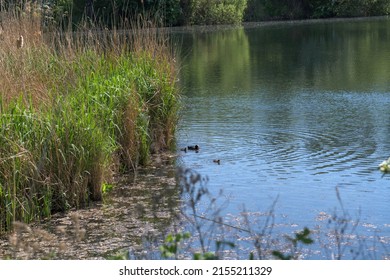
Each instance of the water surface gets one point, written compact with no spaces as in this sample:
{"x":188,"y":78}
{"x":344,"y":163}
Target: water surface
{"x":293,"y":111}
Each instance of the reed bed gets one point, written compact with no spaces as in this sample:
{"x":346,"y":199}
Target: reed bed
{"x":76,"y":108}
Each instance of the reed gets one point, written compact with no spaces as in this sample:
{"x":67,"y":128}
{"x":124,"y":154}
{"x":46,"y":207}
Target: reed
{"x":75,"y":108}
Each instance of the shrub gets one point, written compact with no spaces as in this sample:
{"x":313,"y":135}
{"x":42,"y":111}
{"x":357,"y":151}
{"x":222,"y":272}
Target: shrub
{"x":214,"y":12}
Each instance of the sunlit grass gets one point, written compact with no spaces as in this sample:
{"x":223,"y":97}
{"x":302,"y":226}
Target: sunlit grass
{"x":74,"y":109}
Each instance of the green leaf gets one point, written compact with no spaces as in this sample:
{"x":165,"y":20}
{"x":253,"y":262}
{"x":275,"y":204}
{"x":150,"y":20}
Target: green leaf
{"x":279,"y":255}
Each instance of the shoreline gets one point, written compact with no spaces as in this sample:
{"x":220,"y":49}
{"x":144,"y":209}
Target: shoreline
{"x":268,"y":23}
{"x":103,"y":229}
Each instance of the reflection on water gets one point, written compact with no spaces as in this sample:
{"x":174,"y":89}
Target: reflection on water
{"x":292,"y":111}
{"x":324,"y":55}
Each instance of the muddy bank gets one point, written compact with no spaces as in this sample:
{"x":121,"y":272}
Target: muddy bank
{"x":140,"y":210}
{"x":135,"y":217}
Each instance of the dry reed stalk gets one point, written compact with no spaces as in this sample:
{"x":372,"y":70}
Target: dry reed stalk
{"x":20,"y":42}
{"x":18,"y":59}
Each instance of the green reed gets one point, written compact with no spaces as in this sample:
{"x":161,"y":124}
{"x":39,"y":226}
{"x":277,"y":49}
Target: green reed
{"x":74,"y":111}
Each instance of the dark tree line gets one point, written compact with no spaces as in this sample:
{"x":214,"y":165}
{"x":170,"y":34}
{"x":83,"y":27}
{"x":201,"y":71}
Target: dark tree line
{"x":303,"y":9}
{"x":186,"y":12}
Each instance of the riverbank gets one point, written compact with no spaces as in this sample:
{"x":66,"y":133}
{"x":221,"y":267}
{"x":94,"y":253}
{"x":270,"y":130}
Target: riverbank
{"x":125,"y":220}
{"x":268,"y":23}
{"x":134,"y":221}
{"x":75,"y":111}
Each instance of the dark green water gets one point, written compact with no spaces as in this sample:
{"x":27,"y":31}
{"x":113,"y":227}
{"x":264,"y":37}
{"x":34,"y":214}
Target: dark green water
{"x":293,"y":111}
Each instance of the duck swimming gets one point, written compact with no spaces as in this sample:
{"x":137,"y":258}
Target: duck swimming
{"x":193,"y":148}
{"x":217,"y":161}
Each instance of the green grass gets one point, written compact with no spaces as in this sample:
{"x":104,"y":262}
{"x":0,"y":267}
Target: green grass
{"x":74,"y":112}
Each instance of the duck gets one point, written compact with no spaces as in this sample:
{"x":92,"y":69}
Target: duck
{"x":217,"y":161}
{"x":184,"y":149}
{"x":193,"y":148}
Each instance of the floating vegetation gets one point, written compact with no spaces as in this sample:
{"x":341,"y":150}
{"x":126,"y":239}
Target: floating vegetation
{"x":143,"y":218}
{"x":384,"y":166}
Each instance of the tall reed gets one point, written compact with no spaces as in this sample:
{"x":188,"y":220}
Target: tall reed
{"x":73,"y":106}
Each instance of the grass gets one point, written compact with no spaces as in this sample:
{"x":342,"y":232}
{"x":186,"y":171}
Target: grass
{"x":76,"y":108}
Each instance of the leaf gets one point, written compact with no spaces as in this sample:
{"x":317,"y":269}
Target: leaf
{"x":279,"y":255}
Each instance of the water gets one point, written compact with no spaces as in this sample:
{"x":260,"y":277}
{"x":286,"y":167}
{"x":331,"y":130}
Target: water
{"x":297,"y":113}
{"x":292,"y":111}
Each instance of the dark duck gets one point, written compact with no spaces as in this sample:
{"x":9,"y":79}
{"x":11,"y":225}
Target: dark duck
{"x":193,"y":148}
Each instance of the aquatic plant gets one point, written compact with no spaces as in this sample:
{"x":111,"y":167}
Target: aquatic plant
{"x":50,"y":161}
{"x":75,"y":108}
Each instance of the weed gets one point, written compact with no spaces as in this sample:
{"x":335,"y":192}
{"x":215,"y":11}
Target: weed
{"x":170,"y":248}
{"x":301,"y":237}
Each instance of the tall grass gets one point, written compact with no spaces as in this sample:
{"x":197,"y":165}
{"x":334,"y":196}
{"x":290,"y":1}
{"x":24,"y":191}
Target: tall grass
{"x":75,"y":108}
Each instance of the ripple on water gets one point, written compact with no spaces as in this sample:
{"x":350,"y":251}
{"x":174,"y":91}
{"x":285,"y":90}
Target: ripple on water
{"x":314,"y":151}
{"x":284,"y":151}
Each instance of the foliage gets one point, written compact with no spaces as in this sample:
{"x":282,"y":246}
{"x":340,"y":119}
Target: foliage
{"x":300,"y":237}
{"x":215,"y":12}
{"x":115,"y":13}
{"x":214,"y":256}
{"x":171,"y":246}
{"x":254,"y":11}
{"x":111,"y":13}
{"x":298,"y":9}
{"x":286,"y":9}
{"x":167,"y":12}
{"x":361,"y":7}
{"x":107,"y":187}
